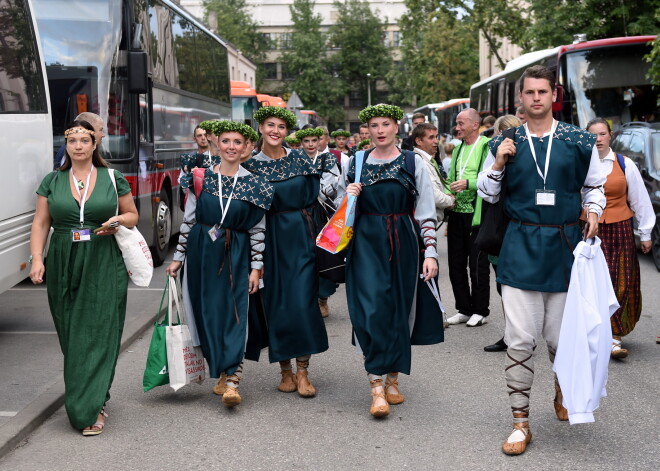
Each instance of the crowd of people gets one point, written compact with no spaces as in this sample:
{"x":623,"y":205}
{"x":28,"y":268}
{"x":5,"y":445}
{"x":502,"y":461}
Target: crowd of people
{"x":251,"y":216}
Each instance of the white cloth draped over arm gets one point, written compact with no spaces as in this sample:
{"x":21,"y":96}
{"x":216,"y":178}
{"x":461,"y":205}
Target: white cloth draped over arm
{"x":189,"y":221}
{"x":257,"y":244}
{"x":425,"y":208}
{"x":639,"y":201}
{"x":593,"y":194}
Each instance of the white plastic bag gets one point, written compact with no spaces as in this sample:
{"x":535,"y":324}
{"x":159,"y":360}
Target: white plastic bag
{"x":134,"y":249}
{"x":185,"y":362}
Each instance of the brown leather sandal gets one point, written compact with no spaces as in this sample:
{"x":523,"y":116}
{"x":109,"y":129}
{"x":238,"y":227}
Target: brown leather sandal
{"x":379,"y":405}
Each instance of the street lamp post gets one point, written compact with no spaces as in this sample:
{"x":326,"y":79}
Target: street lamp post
{"x":368,"y":89}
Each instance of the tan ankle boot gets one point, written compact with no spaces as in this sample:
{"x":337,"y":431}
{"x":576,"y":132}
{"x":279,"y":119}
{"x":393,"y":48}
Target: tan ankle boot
{"x":379,"y":405}
{"x":288,"y":382}
{"x":323,"y":306}
{"x":518,"y":440}
{"x":392,"y":392}
{"x":560,"y":410}
{"x":219,"y":388}
{"x":305,"y":387}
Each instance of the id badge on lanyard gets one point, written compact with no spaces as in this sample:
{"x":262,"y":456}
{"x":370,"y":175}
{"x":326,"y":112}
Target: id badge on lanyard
{"x":81,"y":234}
{"x":543,"y":197}
{"x":215,"y":231}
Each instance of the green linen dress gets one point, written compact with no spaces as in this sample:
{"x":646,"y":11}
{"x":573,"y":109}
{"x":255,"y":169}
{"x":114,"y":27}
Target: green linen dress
{"x":87,"y":286}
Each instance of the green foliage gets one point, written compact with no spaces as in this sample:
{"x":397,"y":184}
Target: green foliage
{"x":596,"y":18}
{"x":380,"y":111}
{"x":440,"y":55}
{"x":654,"y":58}
{"x":309,"y":132}
{"x":235,"y":24}
{"x":308,"y":63}
{"x":218,"y":127}
{"x":265,"y":112}
{"x":357,"y":35}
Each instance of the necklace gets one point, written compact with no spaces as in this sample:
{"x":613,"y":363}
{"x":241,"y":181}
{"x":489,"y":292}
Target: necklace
{"x":79,"y":183}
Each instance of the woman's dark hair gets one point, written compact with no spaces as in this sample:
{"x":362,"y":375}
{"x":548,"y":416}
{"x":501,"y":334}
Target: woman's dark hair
{"x":598,"y":121}
{"x":97,"y":160}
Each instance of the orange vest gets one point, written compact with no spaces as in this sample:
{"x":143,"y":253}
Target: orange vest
{"x":616,"y":192}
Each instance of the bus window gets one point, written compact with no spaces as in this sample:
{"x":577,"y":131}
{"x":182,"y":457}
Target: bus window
{"x":636,"y":145}
{"x":22,"y":87}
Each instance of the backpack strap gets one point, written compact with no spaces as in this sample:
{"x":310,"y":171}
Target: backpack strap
{"x":622,"y":162}
{"x":409,"y":159}
{"x":198,"y":180}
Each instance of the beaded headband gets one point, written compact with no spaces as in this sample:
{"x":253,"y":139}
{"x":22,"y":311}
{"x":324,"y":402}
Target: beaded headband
{"x":78,"y":130}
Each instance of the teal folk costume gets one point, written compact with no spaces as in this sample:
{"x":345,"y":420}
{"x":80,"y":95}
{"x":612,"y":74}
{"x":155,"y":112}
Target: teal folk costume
{"x":217,"y":271}
{"x":194,"y":160}
{"x":389,"y":306}
{"x":537,"y":253}
{"x":87,"y":284}
{"x":290,"y":293}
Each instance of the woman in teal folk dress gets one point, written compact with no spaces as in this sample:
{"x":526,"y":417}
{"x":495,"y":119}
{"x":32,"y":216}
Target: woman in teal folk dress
{"x":222,"y":242}
{"x":86,"y":278}
{"x":295,"y":326}
{"x":390,"y":307}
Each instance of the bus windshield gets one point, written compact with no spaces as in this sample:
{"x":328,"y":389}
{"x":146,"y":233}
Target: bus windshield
{"x":81,"y":47}
{"x":242,"y":108}
{"x":609,"y":83}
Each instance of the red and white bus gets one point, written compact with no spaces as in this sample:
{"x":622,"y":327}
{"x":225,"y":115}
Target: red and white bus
{"x":152,"y":72}
{"x":604,"y":78}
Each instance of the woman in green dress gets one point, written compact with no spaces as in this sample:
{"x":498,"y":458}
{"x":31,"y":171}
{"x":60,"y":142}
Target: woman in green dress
{"x":86,"y":278}
{"x":295,"y":326}
{"x":222,"y":243}
{"x":394,"y":241}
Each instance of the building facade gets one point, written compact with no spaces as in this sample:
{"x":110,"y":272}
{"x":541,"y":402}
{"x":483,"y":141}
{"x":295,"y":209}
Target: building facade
{"x":274,"y":20}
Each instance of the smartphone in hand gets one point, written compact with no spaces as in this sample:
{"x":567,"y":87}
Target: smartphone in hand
{"x":106,"y":227}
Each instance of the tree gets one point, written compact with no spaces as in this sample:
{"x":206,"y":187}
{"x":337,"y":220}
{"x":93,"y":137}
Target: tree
{"x":440,"y":57}
{"x":654,"y":58}
{"x":307,"y":62}
{"x":235,"y":24}
{"x":357,"y":35}
{"x":555,"y":23}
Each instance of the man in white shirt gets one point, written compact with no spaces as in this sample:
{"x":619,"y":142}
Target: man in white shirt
{"x":425,"y":139}
{"x":555,"y":173}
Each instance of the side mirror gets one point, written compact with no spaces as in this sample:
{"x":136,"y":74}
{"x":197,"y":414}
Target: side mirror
{"x":558,"y":104}
{"x":138,"y":80}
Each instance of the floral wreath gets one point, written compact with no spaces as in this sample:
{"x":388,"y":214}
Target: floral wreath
{"x":218,"y":127}
{"x":340,"y":133}
{"x":309,"y":132}
{"x":380,"y":111}
{"x":292,"y":140}
{"x":365,"y":142}
{"x":275,"y":111}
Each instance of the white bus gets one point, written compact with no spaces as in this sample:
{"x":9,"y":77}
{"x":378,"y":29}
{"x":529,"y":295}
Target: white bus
{"x":25,"y":135}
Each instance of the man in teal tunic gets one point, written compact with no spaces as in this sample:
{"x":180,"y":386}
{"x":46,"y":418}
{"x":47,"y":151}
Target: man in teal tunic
{"x":555,"y":174}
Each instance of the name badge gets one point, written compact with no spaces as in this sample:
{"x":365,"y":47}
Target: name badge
{"x":81,"y":235}
{"x":214,"y":233}
{"x":545,"y":197}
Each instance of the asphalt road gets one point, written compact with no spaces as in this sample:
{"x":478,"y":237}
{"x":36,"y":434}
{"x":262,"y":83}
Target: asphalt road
{"x":456,"y":413}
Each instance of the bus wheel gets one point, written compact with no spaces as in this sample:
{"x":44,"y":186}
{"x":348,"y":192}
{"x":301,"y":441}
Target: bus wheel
{"x":162,"y":229}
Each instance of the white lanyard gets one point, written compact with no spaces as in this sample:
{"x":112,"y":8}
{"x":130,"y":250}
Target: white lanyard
{"x":223,"y":208}
{"x":460,"y":158}
{"x":547,"y":152}
{"x":82,"y":197}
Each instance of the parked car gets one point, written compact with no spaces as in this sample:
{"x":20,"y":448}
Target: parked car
{"x":641,"y":143}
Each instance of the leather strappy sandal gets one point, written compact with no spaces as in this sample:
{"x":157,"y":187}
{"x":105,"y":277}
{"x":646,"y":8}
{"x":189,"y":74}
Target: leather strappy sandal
{"x":97,"y":427}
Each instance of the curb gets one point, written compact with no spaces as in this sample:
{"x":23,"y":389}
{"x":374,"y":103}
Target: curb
{"x":35,"y":413}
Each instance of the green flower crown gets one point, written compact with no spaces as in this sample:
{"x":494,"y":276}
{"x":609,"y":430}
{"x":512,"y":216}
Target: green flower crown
{"x":218,"y":127}
{"x":267,"y":111}
{"x":309,"y":132}
{"x":380,"y":111}
{"x":292,"y":140}
{"x":365,"y":142}
{"x":340,"y":133}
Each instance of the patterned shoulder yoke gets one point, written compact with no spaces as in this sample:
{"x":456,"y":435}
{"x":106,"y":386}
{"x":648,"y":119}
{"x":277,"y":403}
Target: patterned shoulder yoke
{"x":568,"y":133}
{"x":393,"y":170}
{"x":252,"y":189}
{"x":189,"y":161}
{"x":293,"y":165}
